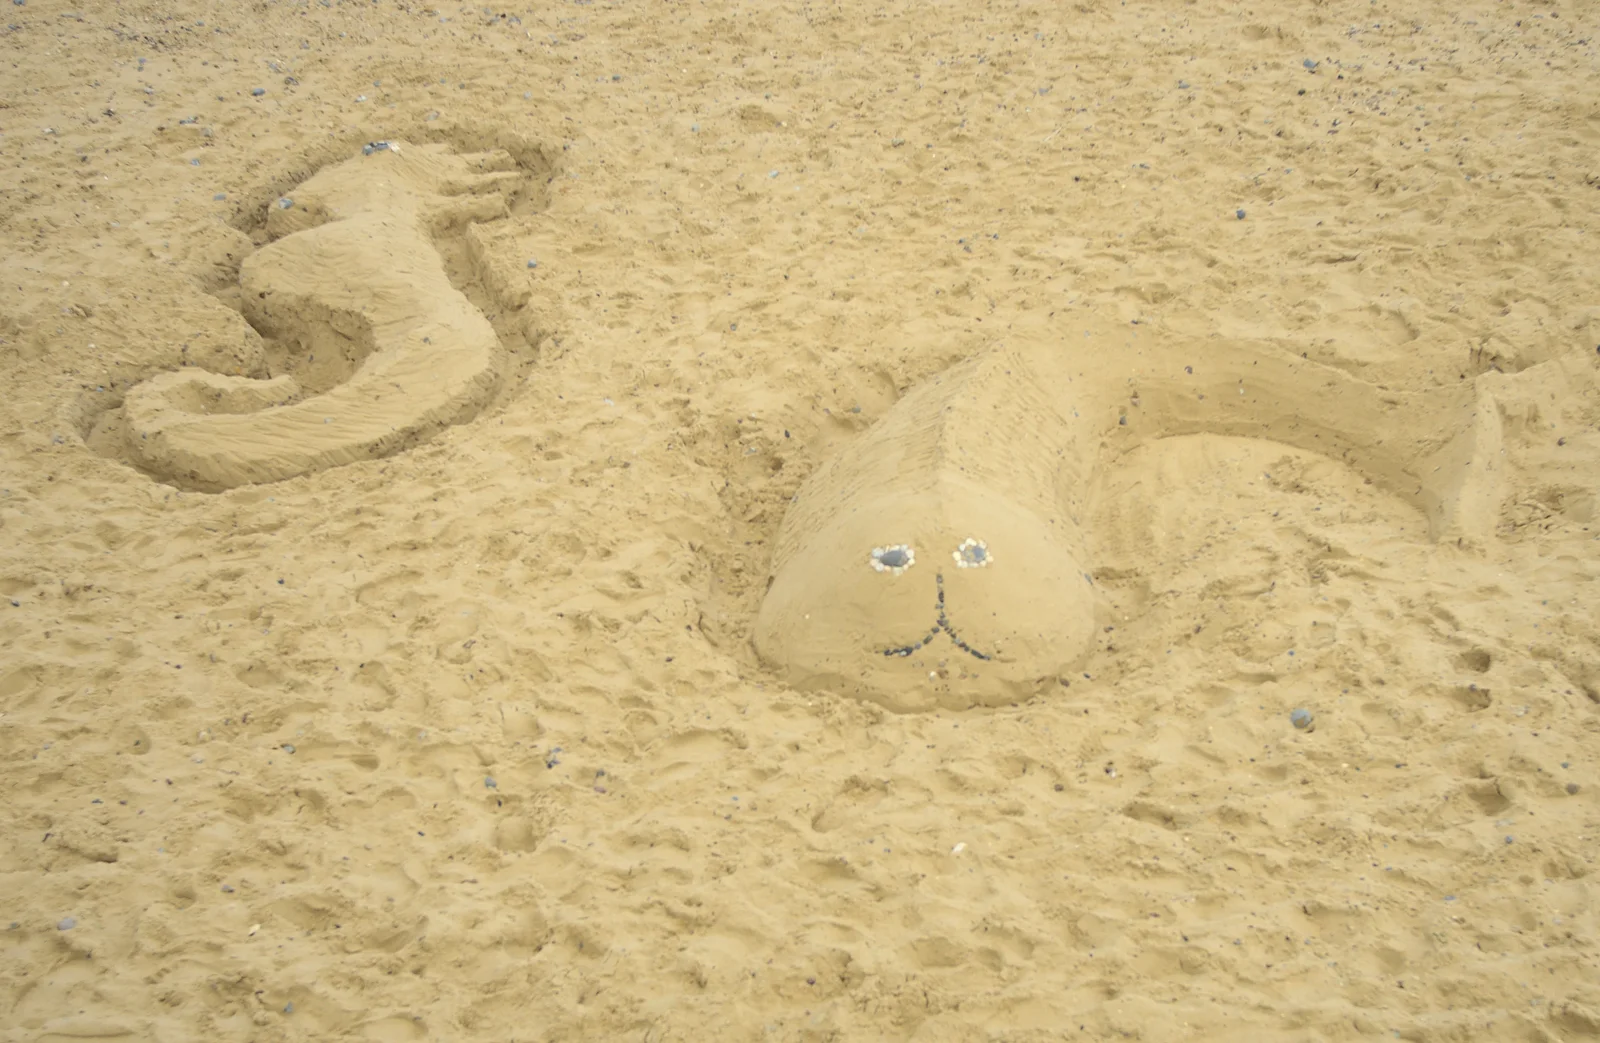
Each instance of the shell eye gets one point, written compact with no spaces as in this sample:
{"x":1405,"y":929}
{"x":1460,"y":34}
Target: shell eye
{"x":894,"y":559}
{"x":972,"y":554}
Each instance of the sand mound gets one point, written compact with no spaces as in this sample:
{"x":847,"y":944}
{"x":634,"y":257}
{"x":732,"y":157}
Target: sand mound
{"x":977,"y":483}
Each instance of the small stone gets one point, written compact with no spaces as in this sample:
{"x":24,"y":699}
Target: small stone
{"x":285,"y":203}
{"x":1300,"y":718}
{"x":1239,"y":214}
{"x":258,"y":92}
{"x":227,"y":889}
{"x":489,"y":783}
{"x":532,"y":263}
{"x":1572,"y":789}
{"x":1309,"y":64}
{"x":219,"y":197}
{"x":68,"y":924}
{"x":288,"y":747}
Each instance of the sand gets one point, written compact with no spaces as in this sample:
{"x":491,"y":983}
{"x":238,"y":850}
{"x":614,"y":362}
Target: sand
{"x":455,"y":730}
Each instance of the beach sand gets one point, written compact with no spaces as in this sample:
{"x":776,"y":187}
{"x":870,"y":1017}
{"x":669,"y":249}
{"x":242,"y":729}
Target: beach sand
{"x":423,"y":704}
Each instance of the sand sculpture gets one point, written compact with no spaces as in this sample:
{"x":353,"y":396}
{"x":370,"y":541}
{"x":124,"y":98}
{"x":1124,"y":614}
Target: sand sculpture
{"x":352,"y":276}
{"x":941,"y":560}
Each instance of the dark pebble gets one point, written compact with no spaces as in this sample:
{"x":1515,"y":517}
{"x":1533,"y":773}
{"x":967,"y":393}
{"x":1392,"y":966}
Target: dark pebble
{"x":1239,"y":214}
{"x":258,"y":92}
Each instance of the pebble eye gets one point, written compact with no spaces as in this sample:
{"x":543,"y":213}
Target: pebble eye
{"x":972,"y":554}
{"x":894,"y":559}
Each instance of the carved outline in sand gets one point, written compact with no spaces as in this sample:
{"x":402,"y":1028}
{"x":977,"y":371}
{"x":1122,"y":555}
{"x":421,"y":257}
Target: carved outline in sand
{"x":352,"y":269}
{"x":1008,"y":444}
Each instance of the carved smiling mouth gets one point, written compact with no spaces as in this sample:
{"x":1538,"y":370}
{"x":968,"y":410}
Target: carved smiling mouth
{"x":895,"y":560}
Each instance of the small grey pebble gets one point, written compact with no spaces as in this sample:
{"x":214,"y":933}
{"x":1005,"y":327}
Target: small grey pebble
{"x":1572,"y":788}
{"x":489,"y":783}
{"x":288,"y":747}
{"x":68,"y":924}
{"x":1239,"y":214}
{"x":194,"y":162}
{"x":227,"y":889}
{"x":1300,"y":718}
{"x":532,"y":263}
{"x":288,"y":1008}
{"x":258,"y":92}
{"x":1510,"y":839}
{"x":219,"y":197}
{"x":285,"y":203}
{"x":1308,"y":63}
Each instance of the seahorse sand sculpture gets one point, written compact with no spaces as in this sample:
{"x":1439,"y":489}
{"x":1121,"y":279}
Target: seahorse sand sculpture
{"x":352,"y":272}
{"x":941,"y":559}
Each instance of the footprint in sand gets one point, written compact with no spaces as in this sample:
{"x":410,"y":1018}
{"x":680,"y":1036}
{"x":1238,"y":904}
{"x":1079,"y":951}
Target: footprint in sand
{"x":943,"y":558}
{"x":353,"y":283}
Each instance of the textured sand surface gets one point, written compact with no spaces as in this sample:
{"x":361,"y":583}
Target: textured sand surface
{"x":468,"y":739}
